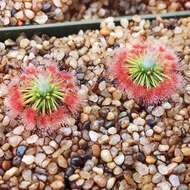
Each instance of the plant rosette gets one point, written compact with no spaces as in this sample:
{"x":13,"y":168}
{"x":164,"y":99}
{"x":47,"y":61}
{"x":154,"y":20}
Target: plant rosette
{"x":43,"y":98}
{"x":147,"y":70}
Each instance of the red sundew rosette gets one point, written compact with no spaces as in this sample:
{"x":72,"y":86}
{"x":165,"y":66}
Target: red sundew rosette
{"x":30,"y":117}
{"x":164,"y":56}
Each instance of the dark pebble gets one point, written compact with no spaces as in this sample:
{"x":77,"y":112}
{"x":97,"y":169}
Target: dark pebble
{"x":67,"y":182}
{"x":140,"y":157}
{"x":100,"y":79}
{"x":69,"y":171}
{"x":16,"y":161}
{"x":86,"y":125}
{"x":116,"y":45}
{"x":80,"y":76}
{"x":1,"y":172}
{"x":151,"y":122}
{"x":40,"y":171}
{"x":21,"y":150}
{"x":51,"y":15}
{"x":77,"y":161}
{"x":79,"y":70}
{"x":90,"y":63}
{"x":183,"y":132}
{"x":13,"y":12}
{"x":108,"y":124}
{"x":46,"y":7}
{"x":43,"y":52}
{"x":86,"y":156}
{"x":103,"y":112}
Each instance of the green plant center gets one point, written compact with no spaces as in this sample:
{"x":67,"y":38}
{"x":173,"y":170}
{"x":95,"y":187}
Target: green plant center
{"x":43,"y":95}
{"x":145,"y":71}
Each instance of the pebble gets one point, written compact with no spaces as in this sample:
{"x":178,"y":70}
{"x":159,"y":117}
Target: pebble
{"x":41,"y":18}
{"x":142,"y":169}
{"x":21,"y":150}
{"x":48,"y":149}
{"x":24,"y":43}
{"x":112,"y":130}
{"x":18,"y":130}
{"x":77,"y":161}
{"x":94,"y":136}
{"x":100,"y":180}
{"x":57,"y":184}
{"x":163,"y":169}
{"x":157,"y":178}
{"x":150,"y":160}
{"x":119,"y":159}
{"x":9,"y":173}
{"x":186,"y":151}
{"x":62,"y":162}
{"x":6,"y":121}
{"x":52,"y":168}
{"x":46,"y":7}
{"x":14,"y":141}
{"x":110,"y":183}
{"x":164,"y":186}
{"x":27,"y":175}
{"x":28,"y":159}
{"x":16,"y":161}
{"x":151,"y":122}
{"x":174,"y":180}
{"x":32,"y":139}
{"x":158,"y":111}
{"x":114,"y":139}
{"x":105,"y":31}
{"x":93,"y":98}
{"x":30,"y":15}
{"x":96,"y":150}
{"x":139,"y":121}
{"x":163,"y":148}
{"x":110,"y":116}
{"x":39,"y":158}
{"x":99,"y":171}
{"x":182,"y":187}
{"x":106,"y":156}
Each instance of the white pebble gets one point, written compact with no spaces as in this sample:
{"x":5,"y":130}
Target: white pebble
{"x":119,"y":159}
{"x":174,"y":180}
{"x":18,"y":130}
{"x":28,"y":159}
{"x":94,"y":136}
{"x":32,"y":139}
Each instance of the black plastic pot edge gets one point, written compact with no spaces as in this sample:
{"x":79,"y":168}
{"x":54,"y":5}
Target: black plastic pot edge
{"x":67,"y":28}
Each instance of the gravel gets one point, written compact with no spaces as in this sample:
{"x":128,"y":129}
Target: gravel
{"x":41,"y":12}
{"x":113,"y":142}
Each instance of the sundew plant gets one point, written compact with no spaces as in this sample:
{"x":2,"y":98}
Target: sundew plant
{"x":43,"y":98}
{"x":147,"y":71}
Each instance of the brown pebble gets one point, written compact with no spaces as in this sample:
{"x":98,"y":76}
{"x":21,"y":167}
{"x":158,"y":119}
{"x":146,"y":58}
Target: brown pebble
{"x":96,"y":150}
{"x":6,"y":165}
{"x":105,"y":31}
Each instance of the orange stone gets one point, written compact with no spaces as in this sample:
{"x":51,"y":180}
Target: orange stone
{"x":105,"y":31}
{"x":96,"y":150}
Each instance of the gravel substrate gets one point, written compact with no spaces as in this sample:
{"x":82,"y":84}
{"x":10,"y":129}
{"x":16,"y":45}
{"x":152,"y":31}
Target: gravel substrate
{"x":22,"y":12}
{"x":114,"y":143}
